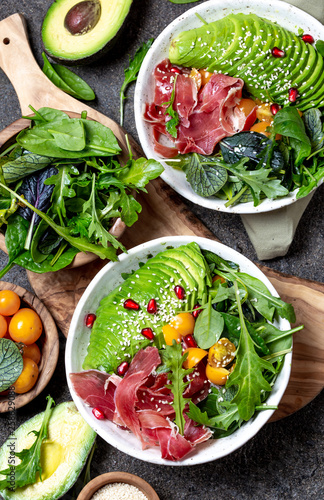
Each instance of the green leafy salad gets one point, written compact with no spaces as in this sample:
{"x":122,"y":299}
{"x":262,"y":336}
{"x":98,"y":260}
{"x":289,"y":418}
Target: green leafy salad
{"x":62,"y":188}
{"x":242,"y":100}
{"x":193,"y":323}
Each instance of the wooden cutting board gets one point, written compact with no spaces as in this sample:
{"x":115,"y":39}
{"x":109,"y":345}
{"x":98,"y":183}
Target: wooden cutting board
{"x":163,"y":214}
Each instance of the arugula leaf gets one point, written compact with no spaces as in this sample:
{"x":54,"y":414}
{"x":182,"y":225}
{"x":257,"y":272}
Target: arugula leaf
{"x":173,"y":359}
{"x":131,"y":73}
{"x":319,"y":45}
{"x":130,"y":208}
{"x":312,"y":183}
{"x":137,"y":173}
{"x":205,"y":179}
{"x":67,"y":81}
{"x":288,"y":123}
{"x":11,"y":363}
{"x":208,"y":327}
{"x":221,"y":421}
{"x":96,"y":228}
{"x":80,"y":243}
{"x":25,"y":472}
{"x":61,"y":183}
{"x":248,"y":372}
{"x":171,"y":125}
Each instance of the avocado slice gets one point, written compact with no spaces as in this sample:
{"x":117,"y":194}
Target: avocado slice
{"x":63,"y":454}
{"x":76,"y":32}
{"x":241,"y":45}
{"x":116,"y":334}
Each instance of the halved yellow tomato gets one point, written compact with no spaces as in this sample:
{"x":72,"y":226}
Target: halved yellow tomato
{"x":195,"y":355}
{"x":217,"y":375}
{"x":170,"y":334}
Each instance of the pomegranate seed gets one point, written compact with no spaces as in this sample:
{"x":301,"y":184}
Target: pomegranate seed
{"x":190,"y":341}
{"x":276,"y":52}
{"x":131,"y":304}
{"x":148,"y":333}
{"x":274,"y":108}
{"x":98,"y":413}
{"x":308,"y":38}
{"x":292,"y":94}
{"x":196,"y":311}
{"x":180,"y":292}
{"x":152,"y":307}
{"x":122,"y":368}
{"x":89,"y":320}
{"x":175,"y":70}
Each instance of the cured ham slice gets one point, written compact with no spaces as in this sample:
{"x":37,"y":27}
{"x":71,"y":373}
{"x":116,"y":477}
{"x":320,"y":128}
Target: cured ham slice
{"x":141,"y":401}
{"x":97,"y":389}
{"x":205,"y":116}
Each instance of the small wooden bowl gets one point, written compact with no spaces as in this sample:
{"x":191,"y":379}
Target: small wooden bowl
{"x":117,"y":477}
{"x":49,"y":346}
{"x":8,"y":137}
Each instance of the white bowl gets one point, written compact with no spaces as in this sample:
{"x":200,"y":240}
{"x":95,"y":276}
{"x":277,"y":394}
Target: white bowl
{"x":281,"y":12}
{"x":78,"y":338}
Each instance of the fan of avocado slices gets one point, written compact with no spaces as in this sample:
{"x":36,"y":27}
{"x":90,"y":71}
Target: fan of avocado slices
{"x":277,"y":67}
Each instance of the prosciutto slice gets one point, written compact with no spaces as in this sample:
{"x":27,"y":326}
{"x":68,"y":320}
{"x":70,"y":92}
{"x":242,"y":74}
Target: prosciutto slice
{"x":206,"y":116}
{"x":141,"y":401}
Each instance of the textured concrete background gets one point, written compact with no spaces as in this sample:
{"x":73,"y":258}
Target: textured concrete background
{"x":285,"y":459}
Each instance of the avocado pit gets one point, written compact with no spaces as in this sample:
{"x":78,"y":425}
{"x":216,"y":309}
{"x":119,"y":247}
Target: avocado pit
{"x":83,"y":17}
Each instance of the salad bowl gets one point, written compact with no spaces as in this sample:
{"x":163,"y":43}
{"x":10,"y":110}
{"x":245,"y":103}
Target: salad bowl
{"x":78,"y":339}
{"x":284,"y":14}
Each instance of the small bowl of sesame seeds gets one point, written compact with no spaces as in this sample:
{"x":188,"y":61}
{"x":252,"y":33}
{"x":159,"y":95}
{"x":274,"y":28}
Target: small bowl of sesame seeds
{"x":118,"y":486}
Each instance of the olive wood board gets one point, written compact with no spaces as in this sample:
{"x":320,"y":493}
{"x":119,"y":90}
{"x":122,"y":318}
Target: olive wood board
{"x":61,"y":291}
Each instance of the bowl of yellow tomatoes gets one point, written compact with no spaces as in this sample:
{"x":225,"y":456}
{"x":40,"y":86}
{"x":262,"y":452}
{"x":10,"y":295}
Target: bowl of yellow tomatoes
{"x":29,"y":346}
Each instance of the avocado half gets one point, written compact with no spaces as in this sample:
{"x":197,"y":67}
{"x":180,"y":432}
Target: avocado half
{"x":79,"y":32}
{"x":63,"y":453}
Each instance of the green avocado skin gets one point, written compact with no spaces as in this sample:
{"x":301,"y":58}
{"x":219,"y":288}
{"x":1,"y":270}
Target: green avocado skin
{"x":65,"y":419}
{"x":63,"y":47}
{"x":116,"y":333}
{"x":240,"y":45}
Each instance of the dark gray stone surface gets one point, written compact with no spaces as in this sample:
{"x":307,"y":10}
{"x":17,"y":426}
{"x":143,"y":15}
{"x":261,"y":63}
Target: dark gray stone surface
{"x":285,"y":459}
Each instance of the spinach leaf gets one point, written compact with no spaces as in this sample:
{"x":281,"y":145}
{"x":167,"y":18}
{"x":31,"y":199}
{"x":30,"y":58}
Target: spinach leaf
{"x":288,"y":123}
{"x":171,"y":125}
{"x":248,"y":373}
{"x":314,"y":128}
{"x":131,"y":73}
{"x":26,"y":261}
{"x":16,"y":234}
{"x":312,"y":183}
{"x":254,"y":146}
{"x":25,"y":472}
{"x":137,"y":173}
{"x":67,"y":81}
{"x":11,"y":363}
{"x":209,"y":327}
{"x":173,"y":359}
{"x":205,"y":179}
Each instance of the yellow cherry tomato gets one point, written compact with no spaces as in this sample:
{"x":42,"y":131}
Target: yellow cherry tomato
{"x":195,"y":355}
{"x":217,"y":376}
{"x":170,"y":334}
{"x":263,"y":112}
{"x":205,"y":76}
{"x":25,"y":326}
{"x":222,"y":353}
{"x":262,"y":128}
{"x":28,"y":377}
{"x":9,"y":302}
{"x":3,"y":326}
{"x":196,"y":77}
{"x":184,"y":323}
{"x":32,"y":351}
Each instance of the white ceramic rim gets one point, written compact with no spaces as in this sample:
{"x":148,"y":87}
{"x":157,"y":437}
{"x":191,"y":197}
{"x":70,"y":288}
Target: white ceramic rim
{"x":78,"y":338}
{"x":284,"y":13}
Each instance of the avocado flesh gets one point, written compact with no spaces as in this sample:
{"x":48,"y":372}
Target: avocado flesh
{"x":265,"y":76}
{"x":116,"y":334}
{"x":63,"y":454}
{"x":62,"y":46}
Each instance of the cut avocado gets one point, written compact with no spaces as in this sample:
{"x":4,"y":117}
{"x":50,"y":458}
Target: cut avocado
{"x":63,"y":454}
{"x":77,"y":32}
{"x":116,"y":333}
{"x":241,"y":45}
